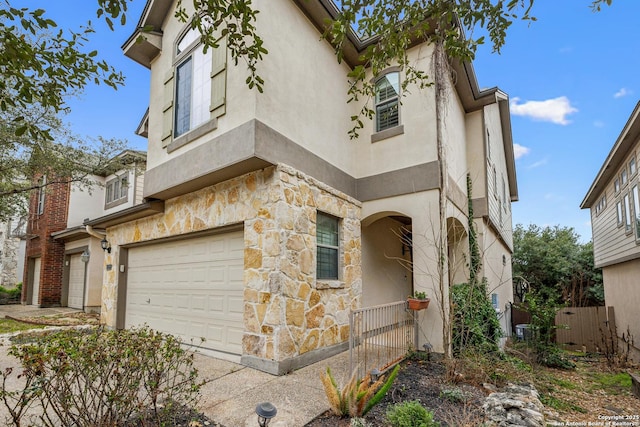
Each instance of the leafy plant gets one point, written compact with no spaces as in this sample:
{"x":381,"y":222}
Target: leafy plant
{"x":418,"y":295}
{"x":475,"y":323}
{"x":102,"y":378}
{"x":410,"y":414}
{"x":357,"y":397}
{"x":454,"y":395}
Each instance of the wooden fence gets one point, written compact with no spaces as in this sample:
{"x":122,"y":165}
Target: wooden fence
{"x":585,"y":328}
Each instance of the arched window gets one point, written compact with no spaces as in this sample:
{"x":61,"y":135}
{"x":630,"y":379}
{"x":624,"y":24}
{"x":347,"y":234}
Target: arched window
{"x":387,"y":101}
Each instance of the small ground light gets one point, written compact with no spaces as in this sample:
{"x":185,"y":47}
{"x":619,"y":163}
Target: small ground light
{"x":375,"y":374}
{"x":265,"y":412}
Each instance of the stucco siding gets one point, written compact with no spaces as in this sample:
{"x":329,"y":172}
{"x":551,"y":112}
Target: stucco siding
{"x":621,"y":292}
{"x":454,"y":137}
{"x":476,"y":156}
{"x":85,"y":203}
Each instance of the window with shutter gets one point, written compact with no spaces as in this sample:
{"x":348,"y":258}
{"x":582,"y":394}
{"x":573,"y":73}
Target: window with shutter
{"x":387,"y":101}
{"x":195,"y":89}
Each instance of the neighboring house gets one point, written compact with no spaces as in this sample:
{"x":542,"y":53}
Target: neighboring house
{"x":64,"y":259}
{"x":614,"y":201}
{"x":12,"y":249}
{"x":274,"y":225}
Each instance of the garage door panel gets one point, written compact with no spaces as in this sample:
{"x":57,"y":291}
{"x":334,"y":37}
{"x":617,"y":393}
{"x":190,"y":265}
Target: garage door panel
{"x":191,"y":288}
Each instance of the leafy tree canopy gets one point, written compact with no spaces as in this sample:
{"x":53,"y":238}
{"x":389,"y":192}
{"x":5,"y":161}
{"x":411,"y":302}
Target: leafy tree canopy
{"x":552,"y":260}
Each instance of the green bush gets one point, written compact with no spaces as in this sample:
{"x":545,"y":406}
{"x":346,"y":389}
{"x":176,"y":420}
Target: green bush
{"x":475,"y":323}
{"x":101,"y":377}
{"x":410,"y":414}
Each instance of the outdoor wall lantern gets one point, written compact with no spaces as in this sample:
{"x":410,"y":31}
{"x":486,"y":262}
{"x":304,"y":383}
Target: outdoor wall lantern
{"x":265,"y":412}
{"x":85,"y":256}
{"x":106,"y":246}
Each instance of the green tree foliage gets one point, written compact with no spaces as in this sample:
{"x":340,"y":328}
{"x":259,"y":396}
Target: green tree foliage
{"x":554,"y":258}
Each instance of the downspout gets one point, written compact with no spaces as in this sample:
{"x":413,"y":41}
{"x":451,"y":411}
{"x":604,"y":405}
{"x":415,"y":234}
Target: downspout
{"x":97,"y":234}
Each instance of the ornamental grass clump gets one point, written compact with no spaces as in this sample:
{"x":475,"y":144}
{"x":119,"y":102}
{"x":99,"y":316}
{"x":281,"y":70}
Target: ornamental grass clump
{"x":356,"y":397}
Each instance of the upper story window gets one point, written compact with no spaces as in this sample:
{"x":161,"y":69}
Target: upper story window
{"x":623,"y":177}
{"x":193,"y":84}
{"x":601,"y":204}
{"x":42,"y":191}
{"x":627,"y":214}
{"x":194,"y":90}
{"x":116,"y":191}
{"x":632,"y":166}
{"x":388,"y":101}
{"x":636,"y":206}
{"x":328,"y":248}
{"x":616,"y":186}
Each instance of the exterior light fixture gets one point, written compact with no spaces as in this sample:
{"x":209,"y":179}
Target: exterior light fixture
{"x":85,"y":256}
{"x":375,"y":374}
{"x":265,"y":412}
{"x":105,"y":245}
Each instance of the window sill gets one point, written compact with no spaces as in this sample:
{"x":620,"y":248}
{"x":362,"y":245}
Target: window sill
{"x":115,"y":203}
{"x":329,"y":284}
{"x":387,"y":133}
{"x":192,"y":135}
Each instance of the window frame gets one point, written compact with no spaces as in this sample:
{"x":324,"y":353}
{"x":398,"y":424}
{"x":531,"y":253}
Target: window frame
{"x":628,"y":227}
{"x":636,"y":211}
{"x":619,"y":214}
{"x":335,"y":248}
{"x":624,"y":177}
{"x":42,"y":194}
{"x":119,"y":184}
{"x":633,"y":166}
{"x":390,"y":101}
{"x":616,"y":185}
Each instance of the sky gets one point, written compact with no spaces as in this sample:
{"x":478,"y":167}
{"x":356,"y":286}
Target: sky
{"x":571,"y":77}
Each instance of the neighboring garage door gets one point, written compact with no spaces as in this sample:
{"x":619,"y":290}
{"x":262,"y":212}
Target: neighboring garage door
{"x":191,"y":288}
{"x":76,"y":282}
{"x":36,"y":281}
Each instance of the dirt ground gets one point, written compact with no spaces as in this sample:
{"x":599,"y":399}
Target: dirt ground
{"x":590,"y":393}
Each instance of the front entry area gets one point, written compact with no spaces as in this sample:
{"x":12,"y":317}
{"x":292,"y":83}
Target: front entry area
{"x":190,"y":288}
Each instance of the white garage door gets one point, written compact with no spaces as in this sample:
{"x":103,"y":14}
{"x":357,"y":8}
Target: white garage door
{"x":76,"y":282}
{"x":190,"y":288}
{"x":36,"y":281}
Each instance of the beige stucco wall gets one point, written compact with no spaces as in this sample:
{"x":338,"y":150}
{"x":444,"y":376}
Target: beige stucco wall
{"x":422,"y":208}
{"x":287,"y":312}
{"x":386,"y":271}
{"x":621,"y":292}
{"x":475,"y":150}
{"x":85,"y":203}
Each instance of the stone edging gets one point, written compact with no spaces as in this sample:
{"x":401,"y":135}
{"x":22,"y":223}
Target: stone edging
{"x":515,"y":405}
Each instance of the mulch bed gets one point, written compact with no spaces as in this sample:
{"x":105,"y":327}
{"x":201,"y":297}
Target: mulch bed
{"x":424,"y":381}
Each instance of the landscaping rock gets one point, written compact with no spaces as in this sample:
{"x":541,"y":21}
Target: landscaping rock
{"x":635,"y":384}
{"x":515,"y":405}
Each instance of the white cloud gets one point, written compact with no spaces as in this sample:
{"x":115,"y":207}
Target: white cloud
{"x":622,"y":92}
{"x":537,"y":164}
{"x":520,"y":150}
{"x":553,"y":110}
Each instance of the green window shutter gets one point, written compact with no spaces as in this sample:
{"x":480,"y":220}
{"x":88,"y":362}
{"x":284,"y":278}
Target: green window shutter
{"x":167,"y":110}
{"x":218,"y":79}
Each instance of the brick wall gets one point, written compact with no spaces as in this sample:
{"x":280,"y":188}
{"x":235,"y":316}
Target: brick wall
{"x":41,"y":244}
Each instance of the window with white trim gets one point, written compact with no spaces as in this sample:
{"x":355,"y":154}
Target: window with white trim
{"x":117,"y":189}
{"x":328,"y":247}
{"x":632,"y":166}
{"x":387,"y":101}
{"x":42,"y":191}
{"x":636,"y":210}
{"x":193,"y":84}
{"x":616,"y":186}
{"x":194,"y":89}
{"x":627,"y":214}
{"x":623,"y":177}
{"x":619,"y":213}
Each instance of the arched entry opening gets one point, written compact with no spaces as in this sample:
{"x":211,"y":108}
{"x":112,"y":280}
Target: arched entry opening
{"x":457,"y":251}
{"x":387,"y":258}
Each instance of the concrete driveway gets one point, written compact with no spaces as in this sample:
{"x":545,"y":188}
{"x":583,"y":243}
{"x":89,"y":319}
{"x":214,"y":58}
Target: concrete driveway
{"x":233,"y":391}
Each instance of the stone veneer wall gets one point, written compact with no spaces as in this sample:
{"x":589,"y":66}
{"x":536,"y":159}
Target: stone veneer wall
{"x":287,"y":313}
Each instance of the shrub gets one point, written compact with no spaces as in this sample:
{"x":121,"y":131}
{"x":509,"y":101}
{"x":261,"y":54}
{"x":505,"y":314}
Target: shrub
{"x":475,"y":324}
{"x":357,"y":397}
{"x":410,"y":414}
{"x":99,"y":377}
